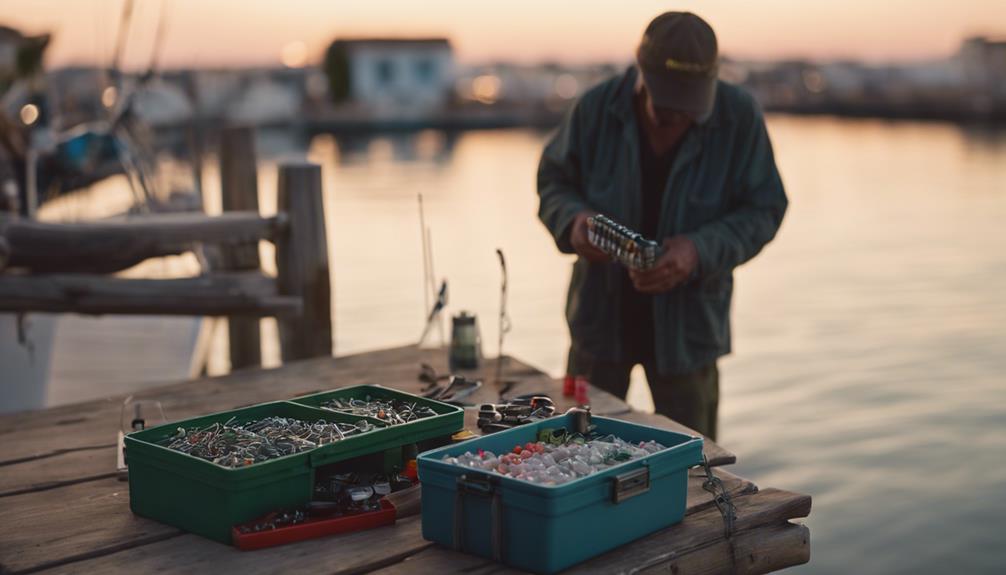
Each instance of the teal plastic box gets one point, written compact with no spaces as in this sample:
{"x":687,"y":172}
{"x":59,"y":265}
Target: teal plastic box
{"x":543,"y":528}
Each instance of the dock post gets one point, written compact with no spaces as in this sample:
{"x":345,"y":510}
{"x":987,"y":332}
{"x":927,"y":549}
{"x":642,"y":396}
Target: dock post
{"x":239,"y":192}
{"x":4,"y":252}
{"x":302,"y":263}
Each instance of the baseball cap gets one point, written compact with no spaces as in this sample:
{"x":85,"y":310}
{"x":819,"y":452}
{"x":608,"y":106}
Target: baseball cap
{"x":678,"y":60}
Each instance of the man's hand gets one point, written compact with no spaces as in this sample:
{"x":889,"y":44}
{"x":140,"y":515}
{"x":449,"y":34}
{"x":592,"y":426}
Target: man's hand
{"x":674,"y":266}
{"x":581,"y":245}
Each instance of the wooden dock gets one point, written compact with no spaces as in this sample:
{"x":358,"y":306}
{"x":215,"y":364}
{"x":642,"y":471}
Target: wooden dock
{"x":64,"y":510}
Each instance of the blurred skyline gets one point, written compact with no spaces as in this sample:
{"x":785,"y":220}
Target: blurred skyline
{"x":265,"y":32}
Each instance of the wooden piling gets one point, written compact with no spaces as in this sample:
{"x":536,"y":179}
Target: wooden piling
{"x":4,"y":253}
{"x":239,"y":191}
{"x":302,"y":263}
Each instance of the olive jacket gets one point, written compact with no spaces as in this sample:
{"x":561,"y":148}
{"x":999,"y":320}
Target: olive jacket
{"x":724,"y":192}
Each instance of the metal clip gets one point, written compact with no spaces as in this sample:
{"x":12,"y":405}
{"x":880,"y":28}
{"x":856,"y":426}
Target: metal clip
{"x":579,"y":421}
{"x":630,"y":484}
{"x":477,"y":484}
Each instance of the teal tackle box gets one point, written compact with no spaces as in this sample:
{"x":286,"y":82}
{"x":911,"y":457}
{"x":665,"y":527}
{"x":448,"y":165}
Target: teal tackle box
{"x":208,"y":499}
{"x":546,"y":528}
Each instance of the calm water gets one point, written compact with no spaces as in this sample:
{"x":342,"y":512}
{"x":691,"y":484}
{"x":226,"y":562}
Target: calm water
{"x":870,"y":337}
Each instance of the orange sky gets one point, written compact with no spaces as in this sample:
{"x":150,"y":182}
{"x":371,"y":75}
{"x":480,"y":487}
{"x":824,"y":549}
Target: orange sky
{"x":241,"y":32}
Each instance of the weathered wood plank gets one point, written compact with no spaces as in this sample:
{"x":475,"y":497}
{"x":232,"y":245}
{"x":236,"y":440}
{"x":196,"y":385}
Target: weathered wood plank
{"x":112,"y":245}
{"x":763,"y":550}
{"x":698,"y":499}
{"x":218,"y":294}
{"x":440,"y":560}
{"x":351,"y":553}
{"x":49,"y":472}
{"x":766,"y":507}
{"x":81,"y":520}
{"x":765,"y":541}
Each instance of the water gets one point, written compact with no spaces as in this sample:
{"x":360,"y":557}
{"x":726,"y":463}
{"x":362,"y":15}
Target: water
{"x":870,"y":337}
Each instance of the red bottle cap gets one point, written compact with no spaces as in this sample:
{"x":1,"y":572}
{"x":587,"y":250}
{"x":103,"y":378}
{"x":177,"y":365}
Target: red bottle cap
{"x":568,"y":386}
{"x":412,"y":470}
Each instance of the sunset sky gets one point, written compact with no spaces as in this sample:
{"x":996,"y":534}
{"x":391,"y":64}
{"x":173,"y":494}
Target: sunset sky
{"x":243,"y":32}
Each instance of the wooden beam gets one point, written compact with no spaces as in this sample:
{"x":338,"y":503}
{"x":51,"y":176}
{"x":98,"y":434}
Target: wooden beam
{"x":239,"y":191}
{"x":112,"y":245}
{"x":4,"y":253}
{"x":302,"y":263}
{"x":233,"y":294}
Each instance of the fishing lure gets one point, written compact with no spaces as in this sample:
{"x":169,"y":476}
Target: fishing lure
{"x":623,"y":244}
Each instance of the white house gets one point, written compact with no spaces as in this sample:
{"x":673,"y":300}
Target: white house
{"x":392,"y":78}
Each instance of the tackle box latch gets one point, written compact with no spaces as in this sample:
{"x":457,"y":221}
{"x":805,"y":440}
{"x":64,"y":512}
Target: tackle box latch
{"x":477,"y":484}
{"x":481,"y":485}
{"x":630,"y":484}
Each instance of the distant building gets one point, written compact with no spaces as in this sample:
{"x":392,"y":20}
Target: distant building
{"x":264,"y":101}
{"x":984,"y":64}
{"x":391,"y":77}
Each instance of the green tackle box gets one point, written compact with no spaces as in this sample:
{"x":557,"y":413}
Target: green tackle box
{"x":449,"y":419}
{"x":208,"y":499}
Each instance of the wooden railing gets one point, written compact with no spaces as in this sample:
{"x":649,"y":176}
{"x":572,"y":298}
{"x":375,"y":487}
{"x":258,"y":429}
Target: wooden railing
{"x":63,"y":268}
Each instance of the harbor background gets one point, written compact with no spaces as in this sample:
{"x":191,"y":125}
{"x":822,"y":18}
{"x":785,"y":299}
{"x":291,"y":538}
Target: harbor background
{"x":869,"y":340}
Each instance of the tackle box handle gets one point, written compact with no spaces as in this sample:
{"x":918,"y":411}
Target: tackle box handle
{"x":630,"y":484}
{"x":482,"y":485}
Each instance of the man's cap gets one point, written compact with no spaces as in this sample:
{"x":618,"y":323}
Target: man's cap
{"x":678,"y":60}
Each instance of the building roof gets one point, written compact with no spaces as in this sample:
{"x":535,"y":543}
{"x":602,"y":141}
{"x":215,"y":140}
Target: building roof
{"x":392,"y":42}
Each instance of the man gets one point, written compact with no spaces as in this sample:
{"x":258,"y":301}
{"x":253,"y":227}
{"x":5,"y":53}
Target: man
{"x":683,"y":158}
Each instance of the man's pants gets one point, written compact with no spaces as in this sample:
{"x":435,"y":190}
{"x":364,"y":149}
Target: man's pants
{"x":691,"y":399}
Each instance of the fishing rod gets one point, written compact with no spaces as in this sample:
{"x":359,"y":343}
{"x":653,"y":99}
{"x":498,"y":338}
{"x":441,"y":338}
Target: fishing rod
{"x":429,"y":277}
{"x":504,"y":320}
{"x":122,"y":37}
{"x":434,"y":315}
{"x":427,"y":284}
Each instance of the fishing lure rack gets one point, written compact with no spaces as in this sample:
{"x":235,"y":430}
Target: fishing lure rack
{"x":622,"y":243}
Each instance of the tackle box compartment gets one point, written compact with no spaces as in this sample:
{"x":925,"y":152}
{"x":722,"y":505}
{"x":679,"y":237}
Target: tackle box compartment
{"x":449,"y":419}
{"x":543,"y":528}
{"x":208,"y":499}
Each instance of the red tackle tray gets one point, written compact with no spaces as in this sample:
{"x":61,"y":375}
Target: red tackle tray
{"x":315,"y":528}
